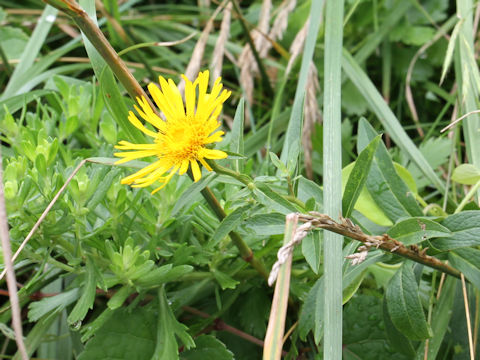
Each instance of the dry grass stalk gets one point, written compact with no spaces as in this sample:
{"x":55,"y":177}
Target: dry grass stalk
{"x":297,"y":46}
{"x":193,"y":66}
{"x":467,"y":315}
{"x":11,"y":280}
{"x":219,"y":50}
{"x":311,"y":116}
{"x":281,"y":21}
{"x":246,"y":60}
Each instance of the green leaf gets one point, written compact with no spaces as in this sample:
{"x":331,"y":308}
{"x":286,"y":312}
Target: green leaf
{"x":311,"y":316}
{"x":266,"y":224}
{"x":414,"y":230}
{"x":266,"y":196}
{"x":88,"y":294}
{"x":398,"y":341}
{"x":31,"y":51}
{"x":227,"y":225}
{"x":466,"y":174}
{"x":441,"y":316}
{"x":120,"y":296}
{"x":404,"y":307}
{"x":384,"y":184}
{"x":16,"y":102}
{"x":387,"y":118}
{"x":465,"y":227}
{"x":192,"y":192}
{"x":167,"y":328}
{"x":312,"y":250}
{"x":163,"y":275}
{"x":207,"y":347}
{"x":467,"y":260}
{"x":225,"y":281}
{"x":236,"y":140}
{"x":358,"y":177}
{"x":125,"y":335}
{"x":56,"y":303}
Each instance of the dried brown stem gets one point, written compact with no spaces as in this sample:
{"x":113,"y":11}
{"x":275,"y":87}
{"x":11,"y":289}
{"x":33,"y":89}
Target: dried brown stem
{"x":346,"y":228}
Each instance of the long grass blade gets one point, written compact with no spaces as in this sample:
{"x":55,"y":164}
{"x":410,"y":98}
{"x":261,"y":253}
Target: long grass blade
{"x":332,"y":175}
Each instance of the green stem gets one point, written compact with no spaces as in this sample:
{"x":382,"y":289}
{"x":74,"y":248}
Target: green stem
{"x":467,"y":197}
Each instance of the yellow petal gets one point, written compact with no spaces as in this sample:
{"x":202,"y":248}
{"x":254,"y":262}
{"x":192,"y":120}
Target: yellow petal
{"x":183,"y":167}
{"x":135,"y":122}
{"x":197,"y":174}
{"x":205,"y":164}
{"x":214,"y":154}
{"x":141,"y":173}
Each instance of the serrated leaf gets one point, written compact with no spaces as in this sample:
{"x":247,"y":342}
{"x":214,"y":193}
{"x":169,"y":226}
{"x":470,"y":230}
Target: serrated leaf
{"x":225,"y":280}
{"x":466,"y":174}
{"x":128,"y":335}
{"x":414,"y":230}
{"x":404,"y":307}
{"x":88,"y":295}
{"x":207,"y":347}
{"x":167,"y":328}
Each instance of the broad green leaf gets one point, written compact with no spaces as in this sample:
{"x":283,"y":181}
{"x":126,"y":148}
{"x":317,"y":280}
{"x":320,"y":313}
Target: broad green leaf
{"x":466,"y":174}
{"x":308,"y":189}
{"x":207,"y":347}
{"x":88,"y":294}
{"x":312,"y":250}
{"x":364,"y":331}
{"x":441,"y":316}
{"x":384,"y":184}
{"x":404,"y":307}
{"x":126,"y":335}
{"x":465,"y":228}
{"x":398,"y":341}
{"x":415,"y":230}
{"x":358,"y":177}
{"x":57,"y":303}
{"x":227,"y":225}
{"x":467,"y":260}
{"x":92,"y":327}
{"x":311,"y":316}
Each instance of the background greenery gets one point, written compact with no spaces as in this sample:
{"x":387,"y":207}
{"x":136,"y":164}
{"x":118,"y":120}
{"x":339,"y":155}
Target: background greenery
{"x":114,"y":272}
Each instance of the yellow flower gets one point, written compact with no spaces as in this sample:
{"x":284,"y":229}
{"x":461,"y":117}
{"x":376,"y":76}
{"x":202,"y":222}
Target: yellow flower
{"x":180,"y":139}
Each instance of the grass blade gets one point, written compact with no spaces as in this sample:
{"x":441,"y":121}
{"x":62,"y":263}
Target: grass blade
{"x":388,"y":119}
{"x":332,"y":175}
{"x":291,"y":147}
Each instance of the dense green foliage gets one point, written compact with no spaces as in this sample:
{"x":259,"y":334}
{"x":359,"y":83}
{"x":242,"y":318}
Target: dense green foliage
{"x":114,"y":272}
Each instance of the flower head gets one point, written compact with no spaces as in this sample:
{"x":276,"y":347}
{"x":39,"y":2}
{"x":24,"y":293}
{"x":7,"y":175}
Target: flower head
{"x":180,"y":140}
